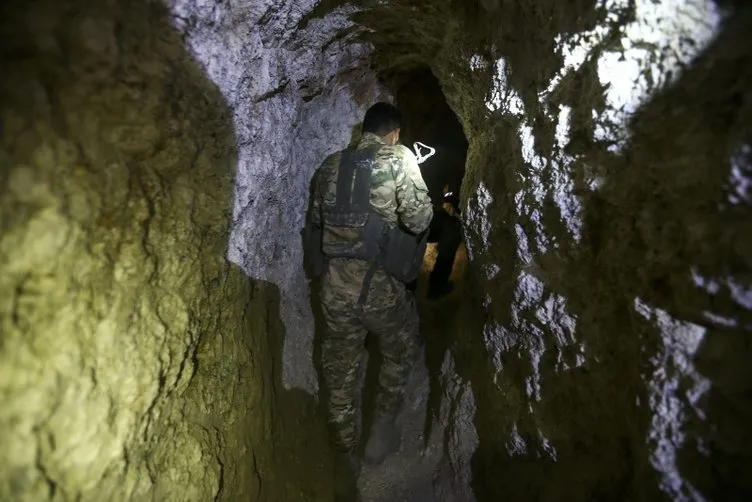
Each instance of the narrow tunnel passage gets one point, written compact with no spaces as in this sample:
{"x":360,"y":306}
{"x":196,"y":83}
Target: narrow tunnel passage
{"x":156,"y":330}
{"x":426,"y":118}
{"x":429,"y":119}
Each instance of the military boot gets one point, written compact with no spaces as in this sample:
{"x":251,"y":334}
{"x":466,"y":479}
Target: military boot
{"x":383,"y":441}
{"x":346,"y":473}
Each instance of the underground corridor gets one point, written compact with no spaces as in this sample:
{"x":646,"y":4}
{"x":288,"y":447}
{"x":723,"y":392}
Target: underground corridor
{"x":159,"y":333}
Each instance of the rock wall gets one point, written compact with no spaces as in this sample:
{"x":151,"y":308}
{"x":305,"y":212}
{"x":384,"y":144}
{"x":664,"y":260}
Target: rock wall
{"x":134,"y":358}
{"x":607,"y":213}
{"x":298,"y":85}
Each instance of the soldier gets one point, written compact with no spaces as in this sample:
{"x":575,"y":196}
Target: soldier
{"x":446,"y":231}
{"x":369,"y":216}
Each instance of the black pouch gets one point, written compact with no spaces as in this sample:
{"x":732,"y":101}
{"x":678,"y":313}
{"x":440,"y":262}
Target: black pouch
{"x":403,"y":254}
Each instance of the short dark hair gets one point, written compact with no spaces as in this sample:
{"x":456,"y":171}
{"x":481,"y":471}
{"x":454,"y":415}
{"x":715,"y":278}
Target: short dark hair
{"x":381,"y":119}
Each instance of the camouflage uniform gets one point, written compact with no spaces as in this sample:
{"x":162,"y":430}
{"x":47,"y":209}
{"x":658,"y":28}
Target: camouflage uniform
{"x":398,"y":194}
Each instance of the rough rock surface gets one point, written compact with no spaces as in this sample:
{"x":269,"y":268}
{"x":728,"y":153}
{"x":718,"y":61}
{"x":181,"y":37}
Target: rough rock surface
{"x":134,"y":361}
{"x":297,"y":86}
{"x":607,"y":212}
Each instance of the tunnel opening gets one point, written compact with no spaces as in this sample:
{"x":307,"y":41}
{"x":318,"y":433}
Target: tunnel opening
{"x":428,"y":118}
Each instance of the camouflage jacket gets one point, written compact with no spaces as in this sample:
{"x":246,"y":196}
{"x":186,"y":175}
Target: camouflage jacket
{"x":398,"y":194}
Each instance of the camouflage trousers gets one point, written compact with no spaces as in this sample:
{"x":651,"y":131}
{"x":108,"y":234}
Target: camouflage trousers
{"x":388,"y":312}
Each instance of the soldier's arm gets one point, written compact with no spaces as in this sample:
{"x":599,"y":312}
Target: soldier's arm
{"x":414,"y":206}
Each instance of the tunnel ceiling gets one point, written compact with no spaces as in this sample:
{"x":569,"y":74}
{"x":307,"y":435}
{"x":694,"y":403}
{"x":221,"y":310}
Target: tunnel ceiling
{"x":157,"y":336}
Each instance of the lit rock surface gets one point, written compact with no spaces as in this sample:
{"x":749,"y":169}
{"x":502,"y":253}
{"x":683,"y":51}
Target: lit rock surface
{"x":297,"y":90}
{"x":135,"y":360}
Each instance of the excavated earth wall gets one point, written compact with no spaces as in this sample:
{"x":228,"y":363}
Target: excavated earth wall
{"x":129,"y":365}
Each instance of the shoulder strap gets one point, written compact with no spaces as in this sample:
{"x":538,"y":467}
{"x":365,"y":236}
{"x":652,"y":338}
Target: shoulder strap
{"x":354,"y":180}
{"x":344,"y":181}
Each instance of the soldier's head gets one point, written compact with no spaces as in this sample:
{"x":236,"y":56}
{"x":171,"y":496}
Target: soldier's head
{"x":383,"y":120}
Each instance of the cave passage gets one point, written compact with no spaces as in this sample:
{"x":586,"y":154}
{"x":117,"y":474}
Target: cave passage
{"x":157,"y":326}
{"x":428,"y":118}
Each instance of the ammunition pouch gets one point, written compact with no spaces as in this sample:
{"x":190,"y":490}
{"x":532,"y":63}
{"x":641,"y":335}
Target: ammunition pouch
{"x":403,"y":255}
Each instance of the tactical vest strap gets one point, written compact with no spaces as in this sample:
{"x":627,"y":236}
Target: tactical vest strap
{"x":354,"y":180}
{"x":344,"y":182}
{"x":361,"y":201}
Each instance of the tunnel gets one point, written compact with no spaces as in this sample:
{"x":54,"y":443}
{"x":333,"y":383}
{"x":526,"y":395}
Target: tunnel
{"x":159,"y":334}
